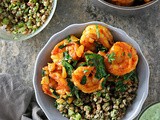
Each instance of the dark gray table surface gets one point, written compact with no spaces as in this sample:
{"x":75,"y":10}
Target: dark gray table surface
{"x":18,"y":58}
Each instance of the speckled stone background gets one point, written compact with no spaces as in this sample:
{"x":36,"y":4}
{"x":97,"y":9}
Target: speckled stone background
{"x":18,"y":58}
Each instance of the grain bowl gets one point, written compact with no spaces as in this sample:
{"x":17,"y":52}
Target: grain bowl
{"x":47,"y":103}
{"x":21,"y":20}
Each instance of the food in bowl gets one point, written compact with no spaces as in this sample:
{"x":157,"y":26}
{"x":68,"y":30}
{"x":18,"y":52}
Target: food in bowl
{"x":128,"y":2}
{"x":151,"y":112}
{"x":92,"y":77}
{"x":24,"y":16}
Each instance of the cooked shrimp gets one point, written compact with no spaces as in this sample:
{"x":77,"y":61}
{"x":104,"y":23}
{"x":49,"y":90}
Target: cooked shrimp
{"x":123,"y":2}
{"x":62,"y":84}
{"x":54,"y":81}
{"x":60,"y":47}
{"x":58,"y":84}
{"x":90,"y":83}
{"x":47,"y":84}
{"x":122,"y":59}
{"x":96,"y":33}
{"x":66,"y":45}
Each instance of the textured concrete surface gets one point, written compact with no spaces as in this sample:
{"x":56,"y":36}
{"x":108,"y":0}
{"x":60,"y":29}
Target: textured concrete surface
{"x":18,"y":58}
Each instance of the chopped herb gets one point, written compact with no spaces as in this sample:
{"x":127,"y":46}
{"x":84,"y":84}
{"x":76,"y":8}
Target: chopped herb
{"x":97,"y":32}
{"x":103,"y":84}
{"x":54,"y":93}
{"x":85,"y":71}
{"x":130,"y":76}
{"x":74,"y":63}
{"x":117,"y":77}
{"x":68,"y":67}
{"x":78,"y":42}
{"x":84,"y":79}
{"x":111,"y":57}
{"x":97,"y":61}
{"x":69,"y":59}
{"x":120,"y":86}
{"x":69,"y":38}
{"x":55,"y":104}
{"x":61,"y":46}
{"x":123,"y":54}
{"x":66,"y":56}
{"x":74,"y":90}
{"x":82,"y":64}
{"x":100,"y":47}
{"x":98,"y":94}
{"x":103,"y":49}
{"x":127,"y":76}
{"x":129,"y":55}
{"x":43,"y":73}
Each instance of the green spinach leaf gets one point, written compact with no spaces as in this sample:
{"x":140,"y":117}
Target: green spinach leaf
{"x":43,"y":73}
{"x":68,"y":67}
{"x":84,"y":80}
{"x":111,"y":57}
{"x":97,"y":61}
{"x":69,"y":38}
{"x":103,"y":84}
{"x":62,"y":46}
{"x":120,"y":86}
{"x":74,"y":90}
{"x":100,"y":47}
{"x":66,"y":56}
{"x":131,"y":76}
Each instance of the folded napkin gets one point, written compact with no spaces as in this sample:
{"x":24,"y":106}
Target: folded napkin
{"x":17,"y":100}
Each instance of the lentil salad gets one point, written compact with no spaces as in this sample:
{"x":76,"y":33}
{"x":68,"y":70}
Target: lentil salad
{"x":24,"y":16}
{"x":80,"y":78}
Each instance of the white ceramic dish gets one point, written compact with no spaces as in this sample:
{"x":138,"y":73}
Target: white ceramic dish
{"x":4,"y":35}
{"x":46,"y":102}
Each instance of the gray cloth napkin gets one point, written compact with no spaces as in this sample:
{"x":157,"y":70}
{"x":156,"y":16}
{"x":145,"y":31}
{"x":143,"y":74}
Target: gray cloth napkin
{"x":17,"y":100}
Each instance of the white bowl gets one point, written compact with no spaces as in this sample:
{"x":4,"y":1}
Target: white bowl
{"x":5,"y":35}
{"x":47,"y":103}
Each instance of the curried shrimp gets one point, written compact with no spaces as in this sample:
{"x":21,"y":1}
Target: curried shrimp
{"x":54,"y":81}
{"x":67,"y":45}
{"x":62,"y":85}
{"x":123,"y":2}
{"x":121,"y":59}
{"x":96,"y":33}
{"x":84,"y":79}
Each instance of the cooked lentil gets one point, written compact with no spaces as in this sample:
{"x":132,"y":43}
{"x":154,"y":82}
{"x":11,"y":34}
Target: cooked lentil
{"x":106,"y":104}
{"x":24,"y":16}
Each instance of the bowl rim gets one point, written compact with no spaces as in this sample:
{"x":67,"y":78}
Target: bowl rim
{"x":147,"y":107}
{"x":126,"y":8}
{"x":145,"y":93}
{"x":28,"y":36}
